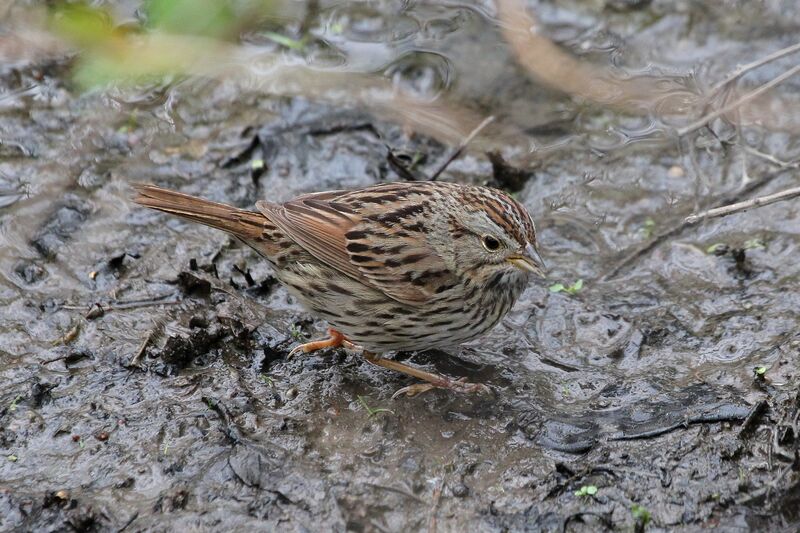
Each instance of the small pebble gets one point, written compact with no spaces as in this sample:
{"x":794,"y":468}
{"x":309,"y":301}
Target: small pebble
{"x":675,"y":172}
{"x":460,"y":490}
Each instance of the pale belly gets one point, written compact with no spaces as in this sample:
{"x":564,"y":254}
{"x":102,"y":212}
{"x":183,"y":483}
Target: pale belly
{"x":370,"y":319}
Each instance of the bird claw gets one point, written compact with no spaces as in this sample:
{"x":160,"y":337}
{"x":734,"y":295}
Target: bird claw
{"x":335,"y":340}
{"x":460,"y":385}
{"x":296,"y":350}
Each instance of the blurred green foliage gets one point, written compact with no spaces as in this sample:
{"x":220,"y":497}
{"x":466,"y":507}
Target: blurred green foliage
{"x":84,"y":25}
{"x":173,"y":38}
{"x":210,"y":18}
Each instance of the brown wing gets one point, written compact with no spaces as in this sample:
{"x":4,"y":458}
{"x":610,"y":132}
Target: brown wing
{"x":357,"y":234}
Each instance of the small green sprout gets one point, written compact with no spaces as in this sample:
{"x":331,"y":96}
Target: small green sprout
{"x":569,"y":289}
{"x":754,"y":244}
{"x":13,"y":458}
{"x":586,"y":490}
{"x":257,"y":164}
{"x":13,"y":406}
{"x":288,"y":42}
{"x":130,"y":125}
{"x":296,"y":333}
{"x":717,"y":247}
{"x":648,"y":228}
{"x":640,"y":514}
{"x":759,"y":371}
{"x":371,"y":411}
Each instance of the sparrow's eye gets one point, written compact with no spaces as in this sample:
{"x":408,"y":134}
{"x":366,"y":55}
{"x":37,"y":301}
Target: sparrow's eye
{"x":490,"y":243}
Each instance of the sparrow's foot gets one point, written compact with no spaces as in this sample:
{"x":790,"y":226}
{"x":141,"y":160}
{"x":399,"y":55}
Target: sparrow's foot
{"x":459,"y":385}
{"x":335,"y":340}
{"x":434,"y":381}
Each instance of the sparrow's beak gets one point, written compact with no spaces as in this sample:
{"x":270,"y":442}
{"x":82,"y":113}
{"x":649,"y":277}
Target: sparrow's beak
{"x":529,"y":261}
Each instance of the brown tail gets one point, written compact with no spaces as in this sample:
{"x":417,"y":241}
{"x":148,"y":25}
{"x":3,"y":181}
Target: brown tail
{"x":242,"y":223}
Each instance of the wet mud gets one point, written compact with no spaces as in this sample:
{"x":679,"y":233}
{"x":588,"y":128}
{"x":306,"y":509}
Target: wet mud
{"x":144,"y":377}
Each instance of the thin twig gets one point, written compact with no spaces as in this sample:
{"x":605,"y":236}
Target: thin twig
{"x":396,"y":490}
{"x":744,"y":69}
{"x":474,"y":133}
{"x":694,"y":126}
{"x":121,"y":305}
{"x":437,"y":495}
{"x":54,"y":359}
{"x":771,"y":158}
{"x":129,"y":522}
{"x":140,"y":351}
{"x":726,"y":210}
{"x":644,"y":249}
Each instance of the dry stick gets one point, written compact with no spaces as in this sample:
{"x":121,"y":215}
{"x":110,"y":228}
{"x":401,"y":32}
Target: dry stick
{"x":437,"y":495}
{"x":694,"y":126}
{"x":744,"y":69}
{"x":474,"y":133}
{"x":771,"y":158}
{"x":678,"y":229}
{"x":726,"y":210}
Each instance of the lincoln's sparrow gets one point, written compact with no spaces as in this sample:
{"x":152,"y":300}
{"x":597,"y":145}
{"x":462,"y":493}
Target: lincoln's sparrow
{"x":395,"y":266}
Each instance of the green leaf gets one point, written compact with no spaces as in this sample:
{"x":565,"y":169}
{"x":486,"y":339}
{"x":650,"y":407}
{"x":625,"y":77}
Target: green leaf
{"x":586,"y":490}
{"x":297,"y":333}
{"x":283,"y":40}
{"x":754,"y":244}
{"x":558,"y":287}
{"x":640,"y":514}
{"x":714,"y":248}
{"x":575,"y":287}
{"x":13,"y":406}
{"x":13,"y":458}
{"x":760,"y":370}
{"x":257,"y":164}
{"x":648,"y":228}
{"x":570,"y":289}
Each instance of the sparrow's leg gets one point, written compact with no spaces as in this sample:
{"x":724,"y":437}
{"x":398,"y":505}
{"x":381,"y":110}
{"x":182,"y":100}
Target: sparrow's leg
{"x":434,"y":381}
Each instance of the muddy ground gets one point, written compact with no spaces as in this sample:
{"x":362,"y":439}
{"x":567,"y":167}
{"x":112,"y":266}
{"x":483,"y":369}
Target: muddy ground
{"x":144,"y":378}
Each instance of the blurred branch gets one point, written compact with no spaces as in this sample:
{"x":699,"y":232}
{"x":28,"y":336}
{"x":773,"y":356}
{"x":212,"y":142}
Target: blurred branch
{"x":30,"y":45}
{"x":694,"y":126}
{"x":648,"y":95}
{"x":744,"y":69}
{"x":771,"y":158}
{"x":457,"y":152}
{"x":558,"y":69}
